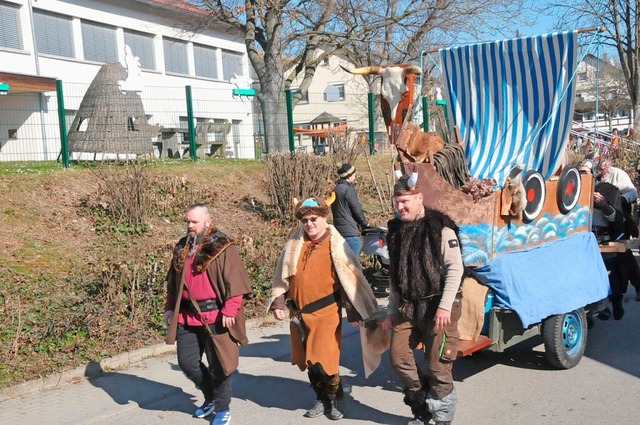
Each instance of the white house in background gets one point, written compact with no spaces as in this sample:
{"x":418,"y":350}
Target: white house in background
{"x":614,"y":106}
{"x":335,"y":98}
{"x":42,"y":41}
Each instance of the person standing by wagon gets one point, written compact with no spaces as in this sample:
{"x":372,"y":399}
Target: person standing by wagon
{"x":204,"y":310}
{"x":317,"y":274}
{"x":348,"y":215}
{"x":426,"y":271}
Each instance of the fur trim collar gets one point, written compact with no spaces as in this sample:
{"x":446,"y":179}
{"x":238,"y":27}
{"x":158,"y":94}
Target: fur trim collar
{"x":212,"y":245}
{"x":347,"y":265}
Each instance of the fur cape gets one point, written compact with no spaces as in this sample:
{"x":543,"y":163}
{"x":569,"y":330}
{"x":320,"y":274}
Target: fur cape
{"x":347,"y":265}
{"x":416,"y":260}
{"x":220,"y":259}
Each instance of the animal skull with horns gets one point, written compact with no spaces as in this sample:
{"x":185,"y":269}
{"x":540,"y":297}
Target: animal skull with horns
{"x":393,"y":86}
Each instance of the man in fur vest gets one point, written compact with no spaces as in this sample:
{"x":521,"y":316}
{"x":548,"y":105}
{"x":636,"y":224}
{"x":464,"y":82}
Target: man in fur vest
{"x":209,"y":311}
{"x":424,"y":302}
{"x":317,"y":273}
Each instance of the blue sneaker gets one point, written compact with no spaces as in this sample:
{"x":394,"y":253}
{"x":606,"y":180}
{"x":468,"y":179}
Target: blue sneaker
{"x":222,"y":418}
{"x":205,"y":410}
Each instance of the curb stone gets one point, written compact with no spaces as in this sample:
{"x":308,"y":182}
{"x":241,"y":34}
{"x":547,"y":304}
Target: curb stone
{"x":90,"y":370}
{"x":94,"y":369}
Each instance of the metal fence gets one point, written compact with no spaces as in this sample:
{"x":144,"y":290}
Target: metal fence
{"x":95,"y":122}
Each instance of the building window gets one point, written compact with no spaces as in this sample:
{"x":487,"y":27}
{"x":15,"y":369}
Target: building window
{"x":141,"y":45}
{"x":99,"y":42}
{"x":305,"y":95}
{"x":54,"y":35}
{"x":334,"y":92}
{"x":579,"y":97}
{"x":231,"y":64}
{"x":10,"y":30}
{"x":206,"y":61}
{"x":582,"y":76}
{"x":175,"y":56}
{"x":621,"y":113}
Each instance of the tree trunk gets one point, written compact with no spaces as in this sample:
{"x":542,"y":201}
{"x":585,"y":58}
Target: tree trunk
{"x":274,"y":116}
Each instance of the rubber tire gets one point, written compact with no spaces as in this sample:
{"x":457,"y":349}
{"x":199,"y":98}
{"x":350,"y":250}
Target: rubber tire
{"x":565,"y":338}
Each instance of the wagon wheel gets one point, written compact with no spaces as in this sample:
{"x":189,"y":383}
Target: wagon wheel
{"x":565,"y":338}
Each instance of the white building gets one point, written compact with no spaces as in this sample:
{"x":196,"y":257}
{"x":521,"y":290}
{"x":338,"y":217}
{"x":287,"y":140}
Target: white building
{"x":604,"y":78}
{"x":42,"y":41}
{"x":335,"y":98}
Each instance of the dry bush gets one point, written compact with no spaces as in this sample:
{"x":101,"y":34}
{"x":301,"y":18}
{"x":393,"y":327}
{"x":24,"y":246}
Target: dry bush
{"x":296,"y":175}
{"x":121,"y":199}
{"x":347,"y":147}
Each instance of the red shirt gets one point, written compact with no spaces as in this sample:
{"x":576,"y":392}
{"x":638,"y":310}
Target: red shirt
{"x":201,"y":289}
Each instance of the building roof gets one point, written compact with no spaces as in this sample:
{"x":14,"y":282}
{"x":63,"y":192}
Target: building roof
{"x":21,"y":83}
{"x":181,"y":5}
{"x":325,"y":118}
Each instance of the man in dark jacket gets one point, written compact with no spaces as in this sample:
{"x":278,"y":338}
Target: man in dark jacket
{"x":347,"y":211}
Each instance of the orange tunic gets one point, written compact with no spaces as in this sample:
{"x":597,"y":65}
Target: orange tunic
{"x":316,"y":278}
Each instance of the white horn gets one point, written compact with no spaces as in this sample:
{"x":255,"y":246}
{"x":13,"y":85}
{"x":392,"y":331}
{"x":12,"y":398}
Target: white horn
{"x":398,"y":173}
{"x":365,"y":70}
{"x":413,"y":180}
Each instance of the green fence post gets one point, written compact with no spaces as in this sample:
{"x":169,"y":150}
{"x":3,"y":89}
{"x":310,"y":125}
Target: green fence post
{"x":372,"y":129}
{"x":62,"y":121}
{"x":425,"y":114}
{"x":289,"y":96}
{"x":192,"y":126}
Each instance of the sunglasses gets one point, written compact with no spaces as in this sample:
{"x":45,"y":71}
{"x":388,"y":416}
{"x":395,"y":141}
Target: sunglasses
{"x":306,"y":220}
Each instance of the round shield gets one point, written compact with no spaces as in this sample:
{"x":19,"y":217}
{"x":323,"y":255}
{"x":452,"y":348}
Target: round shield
{"x":535,"y":192}
{"x":569,"y":186}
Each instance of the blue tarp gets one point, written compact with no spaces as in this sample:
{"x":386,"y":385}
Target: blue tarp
{"x":548,"y":279}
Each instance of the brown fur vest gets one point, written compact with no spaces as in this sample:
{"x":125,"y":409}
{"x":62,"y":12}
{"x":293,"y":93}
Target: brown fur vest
{"x":416,"y":268}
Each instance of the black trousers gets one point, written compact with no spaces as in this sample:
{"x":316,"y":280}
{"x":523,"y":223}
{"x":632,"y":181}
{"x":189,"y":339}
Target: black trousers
{"x":192,"y":343}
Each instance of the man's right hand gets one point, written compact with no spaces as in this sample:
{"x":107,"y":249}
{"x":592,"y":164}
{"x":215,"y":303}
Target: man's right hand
{"x":278,"y":314}
{"x":167,"y":317}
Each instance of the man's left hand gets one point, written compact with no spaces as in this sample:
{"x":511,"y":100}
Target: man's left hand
{"x":227,"y":321}
{"x":442,"y":318}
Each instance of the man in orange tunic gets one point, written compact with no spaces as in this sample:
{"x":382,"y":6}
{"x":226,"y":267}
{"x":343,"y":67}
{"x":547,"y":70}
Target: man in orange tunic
{"x":317,"y":274}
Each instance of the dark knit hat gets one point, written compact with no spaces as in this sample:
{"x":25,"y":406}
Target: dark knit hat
{"x":346,"y":170}
{"x":315,"y":205}
{"x":406,"y":185}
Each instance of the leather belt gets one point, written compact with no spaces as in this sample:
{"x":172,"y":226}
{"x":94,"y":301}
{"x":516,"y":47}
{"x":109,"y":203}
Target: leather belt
{"x":205,"y":305}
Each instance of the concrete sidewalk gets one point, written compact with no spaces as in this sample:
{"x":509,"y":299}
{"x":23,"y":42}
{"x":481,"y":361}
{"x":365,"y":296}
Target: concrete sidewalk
{"x":153,"y":390}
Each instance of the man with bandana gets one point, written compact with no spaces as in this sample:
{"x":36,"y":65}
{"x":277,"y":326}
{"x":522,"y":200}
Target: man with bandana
{"x":317,"y":274}
{"x":208,"y":314}
{"x":426,"y":271}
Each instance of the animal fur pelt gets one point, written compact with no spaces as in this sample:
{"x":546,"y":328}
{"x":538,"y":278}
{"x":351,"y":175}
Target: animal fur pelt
{"x":421,"y":146}
{"x":451,"y":164}
{"x":479,"y":188}
{"x":514,"y":199}
{"x":213,"y":243}
{"x":416,"y":261}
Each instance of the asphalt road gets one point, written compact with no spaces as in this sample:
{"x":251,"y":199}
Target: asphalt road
{"x":514,"y":387}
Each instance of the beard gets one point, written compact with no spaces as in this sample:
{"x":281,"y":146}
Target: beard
{"x":193,"y":239}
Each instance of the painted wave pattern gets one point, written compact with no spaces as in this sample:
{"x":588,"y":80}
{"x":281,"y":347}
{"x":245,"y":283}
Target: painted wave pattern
{"x":477,"y":239}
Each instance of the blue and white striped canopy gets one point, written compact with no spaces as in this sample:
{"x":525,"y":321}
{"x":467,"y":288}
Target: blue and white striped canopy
{"x":512,"y":101}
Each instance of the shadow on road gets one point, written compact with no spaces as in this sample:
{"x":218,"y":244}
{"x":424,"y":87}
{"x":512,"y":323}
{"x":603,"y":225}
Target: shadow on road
{"x":124,"y":388}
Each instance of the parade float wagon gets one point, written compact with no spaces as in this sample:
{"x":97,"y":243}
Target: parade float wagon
{"x":527,"y":243}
